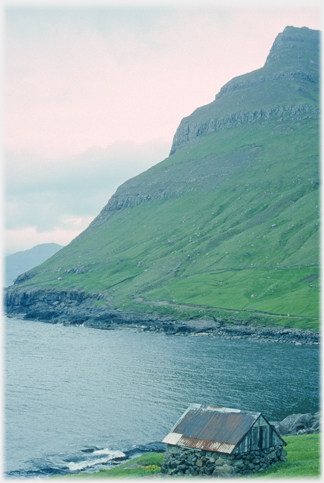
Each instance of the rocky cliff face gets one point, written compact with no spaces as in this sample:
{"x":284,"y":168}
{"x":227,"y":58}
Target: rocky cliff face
{"x":296,"y":79}
{"x":299,"y":49}
{"x":175,"y":181}
{"x":295,"y":43}
{"x":227,"y":224}
{"x":188,"y":132}
{"x":76,"y":308}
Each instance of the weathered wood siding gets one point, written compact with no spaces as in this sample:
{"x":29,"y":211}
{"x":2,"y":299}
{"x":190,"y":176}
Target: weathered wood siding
{"x":260,"y":436}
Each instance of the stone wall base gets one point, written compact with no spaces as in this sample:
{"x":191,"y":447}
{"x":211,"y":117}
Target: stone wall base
{"x":187,"y":461}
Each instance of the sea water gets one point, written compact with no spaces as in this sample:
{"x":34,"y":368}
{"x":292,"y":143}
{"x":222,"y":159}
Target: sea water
{"x":80,"y":399}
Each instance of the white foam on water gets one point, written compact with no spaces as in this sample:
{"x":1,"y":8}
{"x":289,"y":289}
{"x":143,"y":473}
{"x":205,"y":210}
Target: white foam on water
{"x":112,"y":454}
{"x":81,"y":465}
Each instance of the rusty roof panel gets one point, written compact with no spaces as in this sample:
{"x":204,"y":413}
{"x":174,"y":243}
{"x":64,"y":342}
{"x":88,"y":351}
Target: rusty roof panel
{"x":206,"y":445}
{"x":212,"y":428}
{"x":225,"y":427}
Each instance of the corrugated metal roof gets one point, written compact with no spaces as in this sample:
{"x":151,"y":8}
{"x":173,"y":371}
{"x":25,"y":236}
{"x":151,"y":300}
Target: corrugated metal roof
{"x":211,"y":428}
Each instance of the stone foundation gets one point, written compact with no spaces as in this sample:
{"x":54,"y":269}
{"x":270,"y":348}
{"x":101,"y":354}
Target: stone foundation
{"x":187,"y":461}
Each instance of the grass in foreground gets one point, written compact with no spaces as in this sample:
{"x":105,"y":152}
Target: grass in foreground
{"x":145,"y":465}
{"x":303,"y":455}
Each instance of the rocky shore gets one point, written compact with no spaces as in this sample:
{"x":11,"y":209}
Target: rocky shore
{"x":79,"y":309}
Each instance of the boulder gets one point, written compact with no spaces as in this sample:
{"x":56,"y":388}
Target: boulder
{"x":299,"y":424}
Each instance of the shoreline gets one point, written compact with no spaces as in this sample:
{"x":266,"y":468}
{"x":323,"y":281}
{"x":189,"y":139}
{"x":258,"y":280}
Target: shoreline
{"x":167,"y":326}
{"x":78,"y":308}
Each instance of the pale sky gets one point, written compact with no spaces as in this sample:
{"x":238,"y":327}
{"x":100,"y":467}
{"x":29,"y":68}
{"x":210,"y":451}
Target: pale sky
{"x":93,"y":95}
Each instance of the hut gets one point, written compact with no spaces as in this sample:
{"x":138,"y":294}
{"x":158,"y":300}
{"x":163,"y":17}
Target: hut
{"x":211,"y":440}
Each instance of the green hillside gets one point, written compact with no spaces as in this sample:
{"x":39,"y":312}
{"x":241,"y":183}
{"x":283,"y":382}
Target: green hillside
{"x":230,"y":220}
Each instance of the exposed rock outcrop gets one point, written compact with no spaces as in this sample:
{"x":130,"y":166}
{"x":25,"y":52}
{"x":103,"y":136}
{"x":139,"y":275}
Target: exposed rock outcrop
{"x":78,"y":308}
{"x":198,"y":207}
{"x":291,"y":66}
{"x":235,"y":84}
{"x":292,"y":42}
{"x":299,"y":424}
{"x":187,"y":132}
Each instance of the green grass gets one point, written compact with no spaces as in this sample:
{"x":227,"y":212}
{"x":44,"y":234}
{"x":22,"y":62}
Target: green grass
{"x":238,"y":229}
{"x":303,"y":461}
{"x":145,"y":465}
{"x":303,"y":458}
{"x":228,"y":317}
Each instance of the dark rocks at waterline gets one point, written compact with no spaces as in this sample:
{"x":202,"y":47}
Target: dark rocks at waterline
{"x":299,"y":424}
{"x":78,"y":308}
{"x":153,"y":447}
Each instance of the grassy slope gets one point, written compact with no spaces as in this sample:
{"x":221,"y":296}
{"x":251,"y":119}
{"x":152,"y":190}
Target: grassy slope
{"x":302,"y":58}
{"x":303,"y":460}
{"x":261,"y":96}
{"x":232,"y":221}
{"x":255,"y":234}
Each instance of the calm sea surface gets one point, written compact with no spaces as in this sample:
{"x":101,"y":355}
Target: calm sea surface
{"x":77,"y":398}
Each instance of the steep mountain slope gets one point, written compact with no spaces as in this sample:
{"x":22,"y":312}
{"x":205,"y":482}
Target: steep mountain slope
{"x":20,"y":262}
{"x":230,"y":220}
{"x":271,"y":92}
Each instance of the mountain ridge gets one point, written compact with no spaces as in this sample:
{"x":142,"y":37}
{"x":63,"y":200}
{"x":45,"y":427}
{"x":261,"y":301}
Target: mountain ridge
{"x":21,"y":261}
{"x":229,"y":219}
{"x":285,"y":46}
